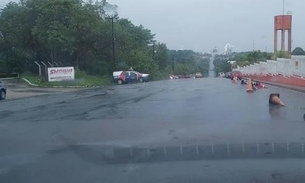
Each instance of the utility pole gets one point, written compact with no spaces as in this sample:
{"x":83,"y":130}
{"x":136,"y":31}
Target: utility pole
{"x":173,"y":64}
{"x":111,"y":13}
{"x":113,"y":43}
{"x":154,"y":50}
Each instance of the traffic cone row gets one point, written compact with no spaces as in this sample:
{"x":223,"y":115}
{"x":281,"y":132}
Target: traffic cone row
{"x":274,"y":98}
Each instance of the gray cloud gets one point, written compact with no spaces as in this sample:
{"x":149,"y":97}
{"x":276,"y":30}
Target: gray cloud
{"x":204,"y":24}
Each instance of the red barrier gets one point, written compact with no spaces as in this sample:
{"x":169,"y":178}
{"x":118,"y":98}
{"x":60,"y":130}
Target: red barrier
{"x":292,"y":80}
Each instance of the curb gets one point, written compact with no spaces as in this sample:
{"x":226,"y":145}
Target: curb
{"x":281,"y":85}
{"x":29,"y":83}
{"x":284,"y":86}
{"x":35,"y":85}
{"x":71,"y":86}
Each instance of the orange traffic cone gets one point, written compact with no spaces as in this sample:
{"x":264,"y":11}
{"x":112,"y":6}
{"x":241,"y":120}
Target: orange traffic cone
{"x":274,"y":99}
{"x":249,"y":86}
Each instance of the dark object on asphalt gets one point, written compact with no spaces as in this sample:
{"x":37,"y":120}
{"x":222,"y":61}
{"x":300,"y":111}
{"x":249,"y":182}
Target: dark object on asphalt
{"x":243,"y":82}
{"x":124,"y":77}
{"x":2,"y":90}
{"x":274,"y":99}
{"x":237,"y":74}
{"x":304,"y":117}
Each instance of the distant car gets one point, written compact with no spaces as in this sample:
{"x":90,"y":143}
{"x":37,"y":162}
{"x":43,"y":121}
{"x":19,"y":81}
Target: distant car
{"x":198,"y":75}
{"x":146,"y":77}
{"x":173,"y":77}
{"x":221,"y":74}
{"x":2,"y":90}
{"x":124,"y":77}
{"x":228,"y":75}
{"x":237,"y":74}
{"x":185,"y":76}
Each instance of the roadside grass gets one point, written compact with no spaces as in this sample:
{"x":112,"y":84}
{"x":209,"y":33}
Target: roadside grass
{"x":82,"y":79}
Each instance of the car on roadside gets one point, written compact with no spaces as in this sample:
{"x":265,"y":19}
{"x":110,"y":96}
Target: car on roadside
{"x":228,"y":75}
{"x":173,"y":77}
{"x":124,"y":77}
{"x":198,"y":75}
{"x":221,"y":74}
{"x":185,"y":76}
{"x":2,"y":90}
{"x":146,"y":77}
{"x":237,"y":74}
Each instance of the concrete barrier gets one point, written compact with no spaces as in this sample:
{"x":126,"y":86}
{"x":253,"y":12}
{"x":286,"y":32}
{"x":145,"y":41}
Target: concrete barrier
{"x":283,"y":71}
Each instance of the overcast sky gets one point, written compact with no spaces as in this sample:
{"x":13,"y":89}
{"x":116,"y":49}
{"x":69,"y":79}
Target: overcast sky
{"x":203,"y":24}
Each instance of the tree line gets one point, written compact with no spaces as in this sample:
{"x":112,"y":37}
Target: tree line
{"x":81,"y":34}
{"x":189,"y":62}
{"x":248,"y":58}
{"x":241,"y":59}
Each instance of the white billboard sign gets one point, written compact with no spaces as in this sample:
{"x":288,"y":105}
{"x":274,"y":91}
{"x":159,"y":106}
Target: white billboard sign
{"x":60,"y":73}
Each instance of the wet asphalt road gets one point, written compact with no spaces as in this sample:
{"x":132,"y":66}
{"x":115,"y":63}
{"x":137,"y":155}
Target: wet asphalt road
{"x":192,"y":130}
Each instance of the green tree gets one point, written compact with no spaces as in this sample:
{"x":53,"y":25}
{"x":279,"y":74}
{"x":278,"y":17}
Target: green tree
{"x":298,"y":51}
{"x":280,"y":54}
{"x":221,"y":65}
{"x":188,"y":62}
{"x":247,"y":58}
{"x":79,"y":33}
{"x":160,"y":55}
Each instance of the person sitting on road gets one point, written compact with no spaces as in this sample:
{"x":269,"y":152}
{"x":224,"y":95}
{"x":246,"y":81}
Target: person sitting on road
{"x":254,"y":86}
{"x":243,"y":82}
{"x":260,"y":85}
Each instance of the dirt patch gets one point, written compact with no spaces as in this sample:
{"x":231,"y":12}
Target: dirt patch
{"x":20,"y":89}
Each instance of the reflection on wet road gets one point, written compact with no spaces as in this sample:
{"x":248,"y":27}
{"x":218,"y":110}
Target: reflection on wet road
{"x":195,"y":111}
{"x":211,"y":69}
{"x":164,"y":121}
